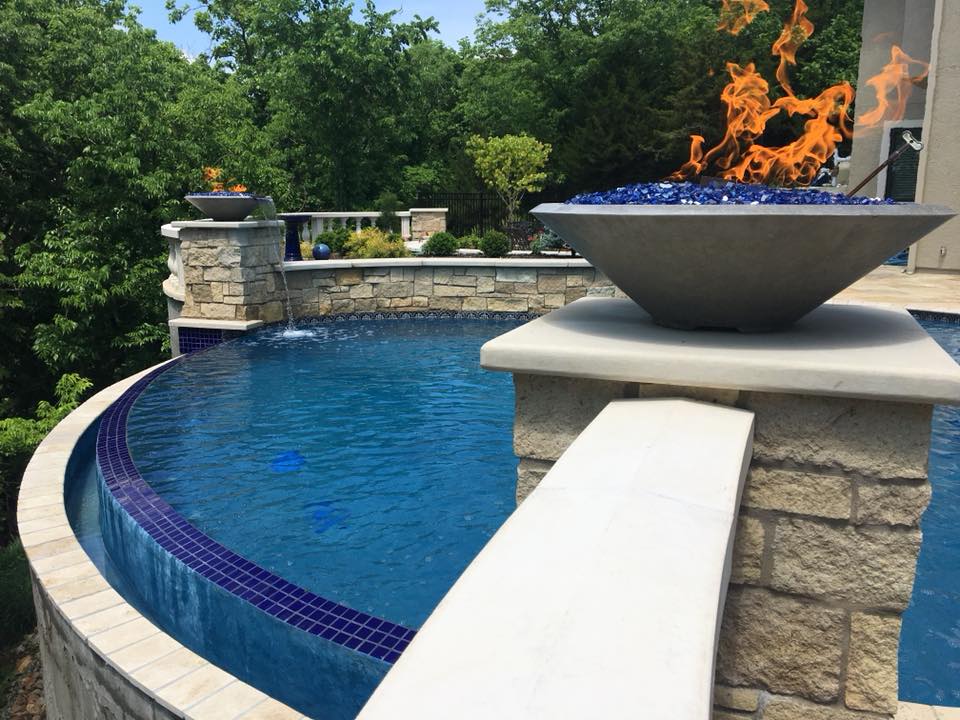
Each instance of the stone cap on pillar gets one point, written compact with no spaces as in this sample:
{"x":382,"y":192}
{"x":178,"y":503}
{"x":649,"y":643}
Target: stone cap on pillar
{"x":231,"y":225}
{"x":837,"y":350}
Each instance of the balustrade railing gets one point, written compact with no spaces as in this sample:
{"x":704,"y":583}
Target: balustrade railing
{"x":325,"y":221}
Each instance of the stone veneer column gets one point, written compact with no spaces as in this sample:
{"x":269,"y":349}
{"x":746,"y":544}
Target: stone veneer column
{"x":230,"y":270}
{"x":828,"y":532}
{"x":424,"y":222}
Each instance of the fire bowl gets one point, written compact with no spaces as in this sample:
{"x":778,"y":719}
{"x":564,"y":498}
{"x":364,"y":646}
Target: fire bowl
{"x":753,"y":268}
{"x":224,"y":206}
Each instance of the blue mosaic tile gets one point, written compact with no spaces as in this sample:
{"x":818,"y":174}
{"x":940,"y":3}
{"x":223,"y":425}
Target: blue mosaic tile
{"x":290,"y":604}
{"x":943,"y":317}
{"x":196,"y":339}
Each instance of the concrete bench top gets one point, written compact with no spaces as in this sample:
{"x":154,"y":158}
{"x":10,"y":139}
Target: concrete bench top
{"x":602,"y":595}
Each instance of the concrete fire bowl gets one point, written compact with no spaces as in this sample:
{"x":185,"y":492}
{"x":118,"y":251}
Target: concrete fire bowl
{"x":750,"y":267}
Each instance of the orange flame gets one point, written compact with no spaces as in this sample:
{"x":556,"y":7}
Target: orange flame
{"x":895,"y":79}
{"x":239,"y":187}
{"x":738,"y":156}
{"x":795,"y":33}
{"x":735,"y":15}
{"x":211,"y":174}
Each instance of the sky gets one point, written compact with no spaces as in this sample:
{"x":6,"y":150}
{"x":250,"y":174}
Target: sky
{"x":456,"y":19}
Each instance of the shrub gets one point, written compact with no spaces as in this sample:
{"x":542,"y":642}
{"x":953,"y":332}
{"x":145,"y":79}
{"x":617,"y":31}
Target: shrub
{"x":471,"y":241}
{"x":547,"y":240}
{"x":16,"y":601}
{"x":335,"y":239}
{"x":387,"y":205}
{"x":494,"y":244}
{"x":441,"y":244}
{"x":373,"y":242}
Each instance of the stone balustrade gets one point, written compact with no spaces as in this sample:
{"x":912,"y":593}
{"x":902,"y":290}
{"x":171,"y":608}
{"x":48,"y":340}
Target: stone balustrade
{"x":415,"y":223}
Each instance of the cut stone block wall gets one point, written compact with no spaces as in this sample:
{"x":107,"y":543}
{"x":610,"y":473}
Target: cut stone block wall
{"x":461,"y":288}
{"x":827,"y":540}
{"x":424,"y":222}
{"x":231,"y":273}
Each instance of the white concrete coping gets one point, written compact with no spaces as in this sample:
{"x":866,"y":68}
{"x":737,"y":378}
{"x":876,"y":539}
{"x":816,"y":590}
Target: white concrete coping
{"x":602,"y":595}
{"x":436,"y":210}
{"x":837,"y":350}
{"x":144,"y":655}
{"x":454,"y":262}
{"x":205,"y":324}
{"x":220,"y":225}
{"x":343,"y":214}
{"x":169,"y":231}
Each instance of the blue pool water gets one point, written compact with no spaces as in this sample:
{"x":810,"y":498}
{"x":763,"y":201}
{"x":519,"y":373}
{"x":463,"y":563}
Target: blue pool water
{"x":371,"y":461}
{"x":930,"y":639}
{"x":367,"y":462}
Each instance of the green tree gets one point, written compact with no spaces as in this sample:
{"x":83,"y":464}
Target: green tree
{"x":511,"y":165}
{"x":19,"y":437}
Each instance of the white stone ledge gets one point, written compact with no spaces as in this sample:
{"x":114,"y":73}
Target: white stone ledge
{"x":602,"y":595}
{"x":837,"y":350}
{"x":90,"y":617}
{"x":169,"y":231}
{"x":204,"y":324}
{"x":453,"y":262}
{"x":219,"y":225}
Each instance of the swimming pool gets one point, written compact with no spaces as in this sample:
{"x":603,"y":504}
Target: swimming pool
{"x":930,"y":639}
{"x":424,"y":426}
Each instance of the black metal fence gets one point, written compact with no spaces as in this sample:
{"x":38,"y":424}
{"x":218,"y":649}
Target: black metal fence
{"x":468,"y":212}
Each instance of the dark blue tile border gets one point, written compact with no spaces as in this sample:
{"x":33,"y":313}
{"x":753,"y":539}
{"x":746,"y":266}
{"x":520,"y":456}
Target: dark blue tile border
{"x":289,"y":603}
{"x":943,"y":317}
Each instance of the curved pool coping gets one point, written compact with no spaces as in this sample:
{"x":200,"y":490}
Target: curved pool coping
{"x":98,"y":651}
{"x":130,"y":660}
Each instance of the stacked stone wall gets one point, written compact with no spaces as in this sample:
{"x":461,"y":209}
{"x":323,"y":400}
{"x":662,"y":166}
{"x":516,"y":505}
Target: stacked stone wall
{"x":463,"y":288}
{"x":826,"y":548}
{"x":231,"y":274}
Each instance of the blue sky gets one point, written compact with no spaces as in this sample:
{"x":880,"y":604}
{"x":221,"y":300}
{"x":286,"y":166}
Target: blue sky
{"x":456,"y":18}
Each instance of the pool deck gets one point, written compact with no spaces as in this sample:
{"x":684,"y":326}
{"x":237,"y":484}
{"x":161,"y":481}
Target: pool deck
{"x":890,"y":285}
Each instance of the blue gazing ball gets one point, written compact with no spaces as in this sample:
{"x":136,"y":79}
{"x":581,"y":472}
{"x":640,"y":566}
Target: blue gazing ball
{"x":321,"y":251}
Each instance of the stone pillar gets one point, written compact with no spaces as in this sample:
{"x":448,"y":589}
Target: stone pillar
{"x":424,"y":222}
{"x":828,"y":531}
{"x":230,"y":270}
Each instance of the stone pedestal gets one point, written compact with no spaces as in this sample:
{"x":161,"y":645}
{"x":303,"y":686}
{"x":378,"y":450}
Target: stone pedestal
{"x":828,"y":531}
{"x":424,"y":222}
{"x":230,"y":270}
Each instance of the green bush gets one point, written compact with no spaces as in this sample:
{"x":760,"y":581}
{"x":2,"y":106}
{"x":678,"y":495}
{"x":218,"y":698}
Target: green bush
{"x":372,"y":242}
{"x":547,"y":240}
{"x":335,"y":239}
{"x":441,"y":244}
{"x":387,"y":205}
{"x":471,"y":241}
{"x":16,"y":601}
{"x":495,"y":244}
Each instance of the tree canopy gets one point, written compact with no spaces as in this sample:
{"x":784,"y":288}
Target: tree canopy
{"x":104,"y":128}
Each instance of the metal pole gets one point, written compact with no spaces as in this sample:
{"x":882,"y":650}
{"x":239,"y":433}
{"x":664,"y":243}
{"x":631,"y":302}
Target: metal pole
{"x":910,"y":142}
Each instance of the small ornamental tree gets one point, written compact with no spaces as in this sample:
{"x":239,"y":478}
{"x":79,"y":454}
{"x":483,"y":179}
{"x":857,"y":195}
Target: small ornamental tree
{"x":511,"y":165}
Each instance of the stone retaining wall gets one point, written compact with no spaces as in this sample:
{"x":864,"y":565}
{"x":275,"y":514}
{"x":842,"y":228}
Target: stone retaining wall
{"x":459,"y":288}
{"x":827,"y":540}
{"x":231,"y":273}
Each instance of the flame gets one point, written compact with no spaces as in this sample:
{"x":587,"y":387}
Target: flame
{"x":239,"y":187}
{"x":895,"y":79}
{"x":738,"y":156}
{"x":735,"y":15}
{"x":795,"y":33}
{"x":211,"y":174}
